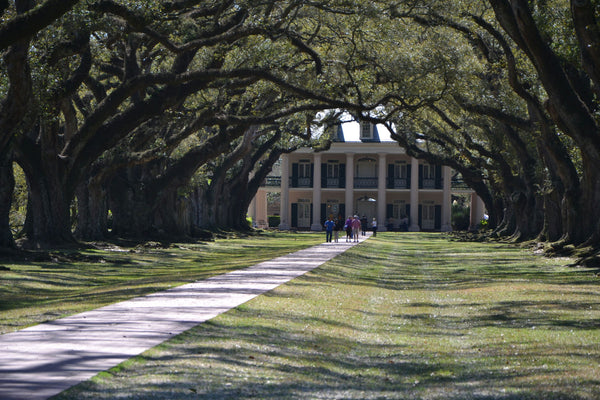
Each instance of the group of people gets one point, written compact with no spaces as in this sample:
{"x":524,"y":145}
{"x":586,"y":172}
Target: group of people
{"x":352,"y":226}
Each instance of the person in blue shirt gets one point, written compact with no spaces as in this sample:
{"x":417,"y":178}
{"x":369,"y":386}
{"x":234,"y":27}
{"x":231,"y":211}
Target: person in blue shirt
{"x":329,"y":224}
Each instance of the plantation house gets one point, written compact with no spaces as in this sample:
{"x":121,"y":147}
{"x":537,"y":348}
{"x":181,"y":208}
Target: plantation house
{"x":363,"y":173}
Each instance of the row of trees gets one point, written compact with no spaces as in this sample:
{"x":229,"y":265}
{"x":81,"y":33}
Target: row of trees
{"x":131,"y":106}
{"x":511,"y":101}
{"x":118,"y":104}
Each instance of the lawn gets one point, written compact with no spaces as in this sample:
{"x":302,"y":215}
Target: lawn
{"x":46,"y":286}
{"x":401,"y":316}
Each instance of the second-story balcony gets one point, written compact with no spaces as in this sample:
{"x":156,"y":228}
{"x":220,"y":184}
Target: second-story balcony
{"x":333,"y":183}
{"x":301,"y":182}
{"x":365,"y":183}
{"x":429,"y":184}
{"x":398,"y":183}
{"x":272,"y":181}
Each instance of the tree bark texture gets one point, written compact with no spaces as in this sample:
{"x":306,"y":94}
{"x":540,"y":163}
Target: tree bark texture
{"x":92,"y":212}
{"x":565,"y":106}
{"x":7,"y":185}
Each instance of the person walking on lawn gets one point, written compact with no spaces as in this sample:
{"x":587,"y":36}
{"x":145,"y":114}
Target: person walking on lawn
{"x":356,"y":227}
{"x":329,"y":225}
{"x":348,"y":228}
{"x":363,"y":224}
{"x":339,"y":226}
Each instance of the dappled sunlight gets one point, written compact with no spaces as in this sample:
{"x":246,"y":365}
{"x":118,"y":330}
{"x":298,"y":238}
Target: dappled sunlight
{"x":390,"y":319}
{"x":60,"y":350}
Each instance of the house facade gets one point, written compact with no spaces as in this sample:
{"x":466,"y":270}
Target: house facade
{"x":363,"y":173}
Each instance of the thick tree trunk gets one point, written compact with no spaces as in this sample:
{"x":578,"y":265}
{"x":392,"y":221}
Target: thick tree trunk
{"x":131,"y":211}
{"x":92,"y":212}
{"x":7,"y":184}
{"x":16,"y":104}
{"x":566,"y":108}
{"x":507,"y":226}
{"x":48,"y":220}
{"x":527,"y":216}
{"x":48,"y":212}
{"x":139,"y":213}
{"x":232,"y":209}
{"x":590,"y":205}
{"x":205,"y":217}
{"x":553,"y":219}
{"x":171,"y":216}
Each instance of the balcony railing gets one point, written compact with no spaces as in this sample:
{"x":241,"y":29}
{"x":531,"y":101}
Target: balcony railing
{"x":362,"y":183}
{"x":272,"y":181}
{"x":429,"y":184}
{"x":305,"y":182}
{"x":365,"y":183}
{"x":301,"y":182}
{"x":398,"y":183}
{"x":331,"y":183}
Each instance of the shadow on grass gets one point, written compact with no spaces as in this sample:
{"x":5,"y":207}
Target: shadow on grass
{"x":229,"y":361}
{"x":387,"y":320}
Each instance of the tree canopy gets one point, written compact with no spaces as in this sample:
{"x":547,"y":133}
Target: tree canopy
{"x":131,"y":105}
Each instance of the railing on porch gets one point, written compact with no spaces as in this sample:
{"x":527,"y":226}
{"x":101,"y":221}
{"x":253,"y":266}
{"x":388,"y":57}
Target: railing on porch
{"x":398,"y":183}
{"x":429,"y":184}
{"x":331,"y":183}
{"x":362,"y":183}
{"x":301,"y":182}
{"x":365,"y":183}
{"x":272,"y":181}
{"x":334,"y":183}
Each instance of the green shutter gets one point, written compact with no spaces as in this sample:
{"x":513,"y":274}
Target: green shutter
{"x":295,"y":176}
{"x":438,"y":177}
{"x":294,"y":215}
{"x":438,"y":217}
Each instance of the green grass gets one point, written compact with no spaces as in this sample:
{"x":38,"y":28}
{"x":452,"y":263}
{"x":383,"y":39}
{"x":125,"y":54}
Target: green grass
{"x":401,"y":316}
{"x":69,"y":282}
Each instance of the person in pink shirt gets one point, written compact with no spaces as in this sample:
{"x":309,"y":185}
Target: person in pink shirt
{"x":348,"y":228}
{"x":356,"y":227}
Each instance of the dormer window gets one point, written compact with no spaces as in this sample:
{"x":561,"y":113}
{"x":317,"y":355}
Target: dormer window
{"x":366,"y":130}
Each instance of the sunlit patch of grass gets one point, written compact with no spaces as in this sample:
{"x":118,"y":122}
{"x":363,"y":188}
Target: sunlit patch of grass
{"x":38,"y":291}
{"x":401,"y":316}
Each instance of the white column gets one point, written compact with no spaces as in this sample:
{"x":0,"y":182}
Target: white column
{"x":477,"y":211}
{"x":284,"y":223}
{"x":252,"y":209}
{"x":381,"y":193}
{"x":447,"y":200}
{"x":414,"y":196}
{"x":317,"y":224}
{"x":349,"y":185}
{"x":262,"y":217}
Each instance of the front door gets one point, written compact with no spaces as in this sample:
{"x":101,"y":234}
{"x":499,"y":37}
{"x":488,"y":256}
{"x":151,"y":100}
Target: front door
{"x":367,"y":207}
{"x":303,"y":214}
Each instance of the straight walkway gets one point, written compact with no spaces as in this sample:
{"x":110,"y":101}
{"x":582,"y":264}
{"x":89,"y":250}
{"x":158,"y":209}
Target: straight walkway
{"x":43,"y":360}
